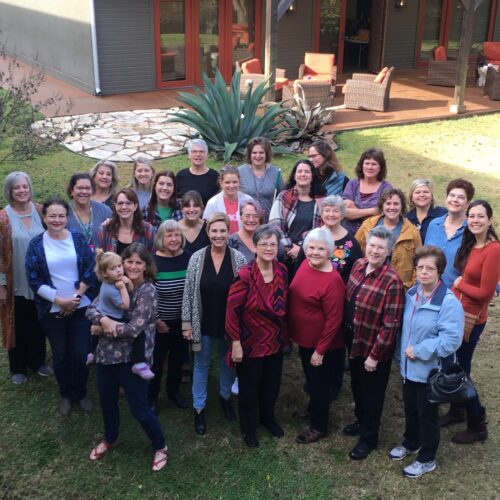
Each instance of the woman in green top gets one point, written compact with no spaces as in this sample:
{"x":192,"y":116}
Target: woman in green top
{"x":163,"y":203}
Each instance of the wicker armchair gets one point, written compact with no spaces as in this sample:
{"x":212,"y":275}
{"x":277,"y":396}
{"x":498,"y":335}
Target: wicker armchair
{"x":362,"y":93}
{"x":314,"y":92}
{"x":441,"y":70}
{"x":251,"y":71}
{"x":319,"y":67}
{"x":492,"y":84}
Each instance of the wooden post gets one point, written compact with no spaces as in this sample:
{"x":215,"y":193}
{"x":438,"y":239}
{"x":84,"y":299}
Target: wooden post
{"x":271,"y":45}
{"x":464,"y":48}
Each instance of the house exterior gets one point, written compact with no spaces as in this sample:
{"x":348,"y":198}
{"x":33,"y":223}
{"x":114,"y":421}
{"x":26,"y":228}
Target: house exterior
{"x":118,"y":46}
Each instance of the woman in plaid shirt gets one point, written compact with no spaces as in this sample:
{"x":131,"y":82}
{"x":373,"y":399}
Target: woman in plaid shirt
{"x":373,"y":313}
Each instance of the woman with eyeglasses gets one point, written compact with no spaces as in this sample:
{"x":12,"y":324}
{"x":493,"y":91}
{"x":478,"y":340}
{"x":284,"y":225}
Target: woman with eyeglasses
{"x":126,"y":225}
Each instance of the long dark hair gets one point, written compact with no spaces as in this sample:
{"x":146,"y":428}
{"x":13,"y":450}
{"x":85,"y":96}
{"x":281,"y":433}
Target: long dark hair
{"x":469,"y":240}
{"x":114,"y":224}
{"x":332,"y":163}
{"x":153,"y":201}
{"x":316,"y":187}
{"x":142,"y":252}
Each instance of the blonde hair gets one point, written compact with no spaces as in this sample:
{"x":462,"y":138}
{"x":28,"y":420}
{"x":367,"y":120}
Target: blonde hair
{"x":218,"y":217}
{"x":103,"y":261}
{"x":144,"y":161}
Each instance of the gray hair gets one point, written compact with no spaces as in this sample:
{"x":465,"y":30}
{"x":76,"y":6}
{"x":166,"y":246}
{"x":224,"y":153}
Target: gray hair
{"x":417,"y":183}
{"x":255,"y":204}
{"x":333,"y":201}
{"x":11,"y":180}
{"x":197,"y":142}
{"x":168,"y":226}
{"x":320,"y":234}
{"x":114,"y":172}
{"x":381,"y":233}
{"x":265,"y":231}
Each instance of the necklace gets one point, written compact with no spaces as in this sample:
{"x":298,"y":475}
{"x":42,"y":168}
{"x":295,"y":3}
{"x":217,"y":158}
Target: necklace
{"x":86,"y":228}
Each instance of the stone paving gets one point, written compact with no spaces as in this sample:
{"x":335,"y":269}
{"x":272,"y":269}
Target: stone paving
{"x":121,"y":135}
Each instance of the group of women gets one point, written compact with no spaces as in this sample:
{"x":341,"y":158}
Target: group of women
{"x":322,"y":261}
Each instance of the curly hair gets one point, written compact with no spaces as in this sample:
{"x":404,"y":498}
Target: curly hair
{"x":372,"y":154}
{"x":388,"y":193}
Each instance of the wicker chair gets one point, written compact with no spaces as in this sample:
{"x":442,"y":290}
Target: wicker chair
{"x":441,"y":72}
{"x":319,"y":67}
{"x":362,"y":93}
{"x":314,"y":92}
{"x":492,"y":84}
{"x":251,"y":71}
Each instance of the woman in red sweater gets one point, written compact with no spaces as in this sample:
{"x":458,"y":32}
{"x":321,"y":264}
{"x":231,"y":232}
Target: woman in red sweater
{"x":256,"y":324}
{"x":477,"y":258}
{"x":315,"y":313}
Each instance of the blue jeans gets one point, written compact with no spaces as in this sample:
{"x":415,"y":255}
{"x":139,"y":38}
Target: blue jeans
{"x":109,"y":380}
{"x":464,"y":356}
{"x":200,"y":371}
{"x":69,"y":339}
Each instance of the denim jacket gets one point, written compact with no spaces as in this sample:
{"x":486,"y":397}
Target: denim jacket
{"x":434,"y":329}
{"x":38,"y":273}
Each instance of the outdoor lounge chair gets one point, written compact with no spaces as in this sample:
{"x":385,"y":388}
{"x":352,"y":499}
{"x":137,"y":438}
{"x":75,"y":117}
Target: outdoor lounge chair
{"x":314,"y":92}
{"x":441,"y":70}
{"x":319,"y":67}
{"x":492,"y":84}
{"x":251,"y":69}
{"x":369,"y":92}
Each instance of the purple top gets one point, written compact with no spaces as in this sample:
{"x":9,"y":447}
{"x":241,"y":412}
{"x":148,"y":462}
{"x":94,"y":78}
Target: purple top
{"x":352,"y":192}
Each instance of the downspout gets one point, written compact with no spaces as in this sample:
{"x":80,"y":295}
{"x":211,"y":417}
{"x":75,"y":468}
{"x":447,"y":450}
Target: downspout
{"x":95,"y":57}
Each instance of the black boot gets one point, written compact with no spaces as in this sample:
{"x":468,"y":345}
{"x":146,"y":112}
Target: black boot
{"x":200,"y":426}
{"x":455,"y":415}
{"x":477,"y":430}
{"x":227,"y":409}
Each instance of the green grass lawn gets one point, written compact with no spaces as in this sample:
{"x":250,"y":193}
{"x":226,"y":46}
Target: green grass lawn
{"x":43,"y":455}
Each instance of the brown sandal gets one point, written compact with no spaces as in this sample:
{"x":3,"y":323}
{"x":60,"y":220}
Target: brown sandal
{"x":309,"y":436}
{"x":97,"y":454}
{"x":160,"y":459}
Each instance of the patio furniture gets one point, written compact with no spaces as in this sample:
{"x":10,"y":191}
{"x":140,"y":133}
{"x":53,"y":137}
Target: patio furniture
{"x":441,"y":70}
{"x":369,"y":92}
{"x":251,"y":69}
{"x":491,"y":52}
{"x":319,"y":67}
{"x":492,"y":84}
{"x":314,"y":92}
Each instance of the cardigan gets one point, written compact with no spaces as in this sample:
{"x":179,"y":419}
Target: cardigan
{"x":37,"y":270}
{"x":434,"y":329}
{"x":191,"y":300}
{"x":216,"y":204}
{"x":108,"y":242}
{"x":403,"y":251}
{"x":256,"y":311}
{"x":100,"y":213}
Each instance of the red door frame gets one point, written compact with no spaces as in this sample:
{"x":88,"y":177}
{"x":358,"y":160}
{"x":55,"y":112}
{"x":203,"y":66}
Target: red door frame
{"x":225,"y":21}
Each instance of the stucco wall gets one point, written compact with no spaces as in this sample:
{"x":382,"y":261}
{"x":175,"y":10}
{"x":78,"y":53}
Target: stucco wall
{"x":52,"y":35}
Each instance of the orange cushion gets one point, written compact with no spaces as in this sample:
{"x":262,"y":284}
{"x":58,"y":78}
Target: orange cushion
{"x":381,"y":76}
{"x":318,"y":63}
{"x":495,"y":63}
{"x":280,"y":83}
{"x":440,"y":54}
{"x":252,"y":66}
{"x":491,"y":50}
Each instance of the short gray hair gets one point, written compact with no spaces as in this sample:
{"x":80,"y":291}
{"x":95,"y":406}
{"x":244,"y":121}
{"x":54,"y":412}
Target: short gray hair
{"x":333,"y":201}
{"x":382,"y":233}
{"x":265,"y":231}
{"x":417,"y":183}
{"x":168,"y":226}
{"x":114,"y":172}
{"x":255,"y":204}
{"x":11,"y":180}
{"x":197,"y":142}
{"x":320,"y":234}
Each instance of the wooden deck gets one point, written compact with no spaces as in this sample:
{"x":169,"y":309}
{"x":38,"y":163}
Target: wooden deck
{"x":411,"y":101}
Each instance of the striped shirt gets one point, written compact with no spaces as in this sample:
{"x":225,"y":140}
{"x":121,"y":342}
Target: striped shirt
{"x":169,"y":283}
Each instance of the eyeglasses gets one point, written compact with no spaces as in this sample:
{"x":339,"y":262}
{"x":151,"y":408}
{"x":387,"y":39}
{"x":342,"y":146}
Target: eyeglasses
{"x":250,"y":216}
{"x":426,"y":268}
{"x":272,"y":246}
{"x":124,"y":204}
{"x":313,"y":156}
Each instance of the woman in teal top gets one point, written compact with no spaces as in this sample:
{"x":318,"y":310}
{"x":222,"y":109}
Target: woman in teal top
{"x":163,"y":203}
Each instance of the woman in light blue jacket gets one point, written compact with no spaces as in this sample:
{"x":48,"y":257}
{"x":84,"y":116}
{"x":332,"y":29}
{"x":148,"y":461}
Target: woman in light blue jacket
{"x":433,"y":327}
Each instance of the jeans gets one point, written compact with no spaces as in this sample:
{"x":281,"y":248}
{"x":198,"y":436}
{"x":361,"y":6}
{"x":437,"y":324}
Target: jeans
{"x":368,"y":390}
{"x":173,"y":344}
{"x":464,"y":357}
{"x":30,"y":349}
{"x":200,"y":371}
{"x":319,"y":383}
{"x":69,"y":339}
{"x":109,"y":380}
{"x":422,"y":427}
{"x":259,"y":381}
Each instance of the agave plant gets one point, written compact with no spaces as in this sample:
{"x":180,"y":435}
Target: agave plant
{"x":225,"y":120}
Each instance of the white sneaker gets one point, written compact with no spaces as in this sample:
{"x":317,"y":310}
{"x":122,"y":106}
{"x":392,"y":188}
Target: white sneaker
{"x":400,"y":452}
{"x":417,"y":469}
{"x":235,"y":389}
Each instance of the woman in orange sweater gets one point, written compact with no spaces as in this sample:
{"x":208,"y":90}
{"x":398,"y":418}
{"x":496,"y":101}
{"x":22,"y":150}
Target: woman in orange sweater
{"x":477,"y":258}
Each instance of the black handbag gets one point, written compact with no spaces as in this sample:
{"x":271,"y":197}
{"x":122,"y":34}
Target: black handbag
{"x":449,"y":385}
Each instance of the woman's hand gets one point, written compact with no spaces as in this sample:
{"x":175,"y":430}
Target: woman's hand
{"x":109,"y":326}
{"x":316,"y":359}
{"x":409,"y":353}
{"x":188,"y":334}
{"x":457,"y":281}
{"x":95,"y":330}
{"x":370,"y":364}
{"x":294,"y":251}
{"x":237,"y":354}
{"x":161,"y":326}
{"x":67,"y":306}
